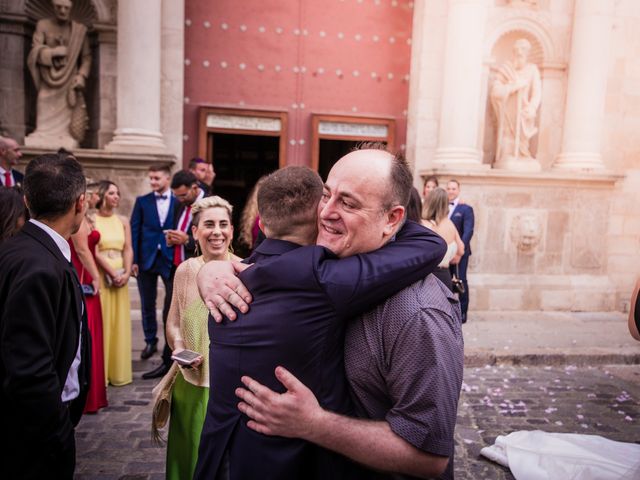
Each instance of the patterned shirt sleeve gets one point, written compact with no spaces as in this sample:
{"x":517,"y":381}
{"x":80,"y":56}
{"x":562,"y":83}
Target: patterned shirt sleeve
{"x":423,"y":355}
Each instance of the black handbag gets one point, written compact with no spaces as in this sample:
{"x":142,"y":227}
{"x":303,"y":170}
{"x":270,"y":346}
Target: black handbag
{"x":458,"y":286}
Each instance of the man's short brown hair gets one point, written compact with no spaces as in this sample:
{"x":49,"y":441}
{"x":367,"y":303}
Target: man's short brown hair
{"x":160,"y":167}
{"x":288,"y":199}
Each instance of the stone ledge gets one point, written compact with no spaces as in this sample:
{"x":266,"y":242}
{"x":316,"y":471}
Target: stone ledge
{"x":93,"y":158}
{"x":549,"y":178}
{"x":478,"y":357}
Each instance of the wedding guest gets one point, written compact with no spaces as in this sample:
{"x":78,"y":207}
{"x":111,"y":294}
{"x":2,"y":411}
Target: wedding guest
{"x":435,"y":216}
{"x":114,"y":256}
{"x":83,"y":249}
{"x":430,"y":183}
{"x":187,"y":329}
{"x":463,"y":218}
{"x":249,"y":229}
{"x":13,"y":212}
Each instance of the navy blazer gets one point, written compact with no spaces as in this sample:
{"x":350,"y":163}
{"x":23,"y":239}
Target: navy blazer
{"x":41,"y":316}
{"x":463,"y":218}
{"x":18,"y":177}
{"x":147,"y":233}
{"x":302,"y":299}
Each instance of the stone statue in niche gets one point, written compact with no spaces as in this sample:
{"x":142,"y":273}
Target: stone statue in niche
{"x":515,"y":99}
{"x":59,"y":62}
{"x":526,"y":232}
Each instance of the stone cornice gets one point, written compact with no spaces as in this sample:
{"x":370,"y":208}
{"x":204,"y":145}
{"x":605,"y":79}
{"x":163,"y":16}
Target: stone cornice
{"x":596,"y":180}
{"x":104,"y":159}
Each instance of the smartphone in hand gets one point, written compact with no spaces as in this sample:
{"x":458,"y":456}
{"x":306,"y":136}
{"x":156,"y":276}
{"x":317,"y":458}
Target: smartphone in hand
{"x":185,"y":358}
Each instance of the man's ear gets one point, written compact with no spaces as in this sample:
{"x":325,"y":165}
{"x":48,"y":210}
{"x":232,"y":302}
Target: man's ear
{"x":260,"y":225}
{"x":80,"y":204}
{"x":395,"y":216}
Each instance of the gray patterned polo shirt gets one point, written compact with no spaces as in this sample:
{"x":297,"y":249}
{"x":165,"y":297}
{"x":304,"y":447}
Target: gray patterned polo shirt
{"x":404,"y":362}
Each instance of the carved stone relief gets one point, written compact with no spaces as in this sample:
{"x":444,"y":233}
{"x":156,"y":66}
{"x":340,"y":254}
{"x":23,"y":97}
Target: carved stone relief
{"x":60,"y":62}
{"x":525,"y":231}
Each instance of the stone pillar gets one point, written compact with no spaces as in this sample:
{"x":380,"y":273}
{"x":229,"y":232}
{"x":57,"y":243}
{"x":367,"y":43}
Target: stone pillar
{"x":138,"y":84}
{"x":587,"y":86}
{"x":172,"y":104}
{"x":16,"y":91}
{"x":462,"y":85}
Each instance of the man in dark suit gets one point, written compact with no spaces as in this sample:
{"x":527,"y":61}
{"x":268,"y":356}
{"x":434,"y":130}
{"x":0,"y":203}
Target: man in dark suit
{"x":44,"y":342}
{"x":186,"y":191}
{"x":303,"y":297}
{"x":462,"y":217}
{"x":152,"y":257}
{"x":9,"y":156}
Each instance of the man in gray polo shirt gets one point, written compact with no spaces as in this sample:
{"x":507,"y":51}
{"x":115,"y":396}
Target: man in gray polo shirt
{"x":403,"y":360}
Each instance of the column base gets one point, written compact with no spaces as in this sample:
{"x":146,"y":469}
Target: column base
{"x":136,"y":140}
{"x":459,"y":158}
{"x":579,"y":161}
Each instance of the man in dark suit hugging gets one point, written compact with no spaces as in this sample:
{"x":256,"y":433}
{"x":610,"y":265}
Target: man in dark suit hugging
{"x":462,"y":217}
{"x":44,"y":342}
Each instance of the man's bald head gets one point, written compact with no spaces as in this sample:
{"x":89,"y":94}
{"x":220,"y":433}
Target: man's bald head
{"x":9,"y":152}
{"x":364,"y":200}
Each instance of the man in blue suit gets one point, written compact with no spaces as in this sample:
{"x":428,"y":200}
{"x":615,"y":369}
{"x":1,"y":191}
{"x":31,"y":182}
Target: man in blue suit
{"x":152,"y":257}
{"x":462,"y":217}
{"x":9,"y":156}
{"x":303,"y":298}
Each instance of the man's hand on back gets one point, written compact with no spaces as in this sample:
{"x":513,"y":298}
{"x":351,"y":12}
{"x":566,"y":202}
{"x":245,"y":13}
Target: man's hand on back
{"x":291,"y":414}
{"x":221,"y":289}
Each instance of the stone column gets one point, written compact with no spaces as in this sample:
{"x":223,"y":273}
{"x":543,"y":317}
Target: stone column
{"x":587,"y":86}
{"x":138,"y":84}
{"x":462,"y":85}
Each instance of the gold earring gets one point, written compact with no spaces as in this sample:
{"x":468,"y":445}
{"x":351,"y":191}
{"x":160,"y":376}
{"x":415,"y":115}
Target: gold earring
{"x":197,"y":250}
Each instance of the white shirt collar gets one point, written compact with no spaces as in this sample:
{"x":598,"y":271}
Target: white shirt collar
{"x":62,"y":244}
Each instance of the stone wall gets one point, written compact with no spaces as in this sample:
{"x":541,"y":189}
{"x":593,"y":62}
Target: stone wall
{"x":564,"y":238}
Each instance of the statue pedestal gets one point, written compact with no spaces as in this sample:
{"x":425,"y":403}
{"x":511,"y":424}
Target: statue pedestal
{"x":52,"y":143}
{"x":510,"y":162}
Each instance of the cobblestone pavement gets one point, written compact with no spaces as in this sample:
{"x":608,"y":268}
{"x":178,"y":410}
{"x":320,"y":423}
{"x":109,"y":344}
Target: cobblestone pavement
{"x":496,"y":400}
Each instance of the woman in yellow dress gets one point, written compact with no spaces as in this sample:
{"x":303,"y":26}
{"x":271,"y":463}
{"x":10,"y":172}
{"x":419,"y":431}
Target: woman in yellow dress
{"x":187,"y":329}
{"x":114,"y":256}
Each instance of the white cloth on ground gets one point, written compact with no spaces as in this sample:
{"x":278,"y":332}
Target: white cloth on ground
{"x":538,"y":455}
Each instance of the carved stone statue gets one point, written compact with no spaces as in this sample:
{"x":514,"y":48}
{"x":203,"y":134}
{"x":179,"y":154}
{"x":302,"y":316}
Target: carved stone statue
{"x":59,"y":62}
{"x":515,"y":98}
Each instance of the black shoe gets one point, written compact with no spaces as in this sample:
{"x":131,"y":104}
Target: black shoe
{"x":149,"y":349}
{"x":160,"y":371}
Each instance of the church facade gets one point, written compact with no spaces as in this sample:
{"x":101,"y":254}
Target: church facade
{"x":532,"y":105}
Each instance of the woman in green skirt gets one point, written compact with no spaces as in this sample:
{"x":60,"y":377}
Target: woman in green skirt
{"x":187,"y":330}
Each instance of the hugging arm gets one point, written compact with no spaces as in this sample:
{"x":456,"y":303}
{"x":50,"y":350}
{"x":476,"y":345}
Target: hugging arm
{"x":352,"y":284}
{"x":297,"y":414}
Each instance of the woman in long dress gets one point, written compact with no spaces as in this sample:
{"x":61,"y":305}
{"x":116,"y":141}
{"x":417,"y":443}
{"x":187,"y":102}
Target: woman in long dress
{"x":83,"y":246}
{"x":114,"y":257}
{"x":187,"y":329}
{"x":435,"y":216}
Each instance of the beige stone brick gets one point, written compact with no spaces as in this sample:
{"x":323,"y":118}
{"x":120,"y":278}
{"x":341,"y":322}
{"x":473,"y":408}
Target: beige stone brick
{"x":556,"y":299}
{"x":506,"y":299}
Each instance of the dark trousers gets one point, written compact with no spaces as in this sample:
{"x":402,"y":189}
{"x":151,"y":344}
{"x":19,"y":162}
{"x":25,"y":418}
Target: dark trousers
{"x":27,"y":460}
{"x":462,"y":275}
{"x":148,"y":288}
